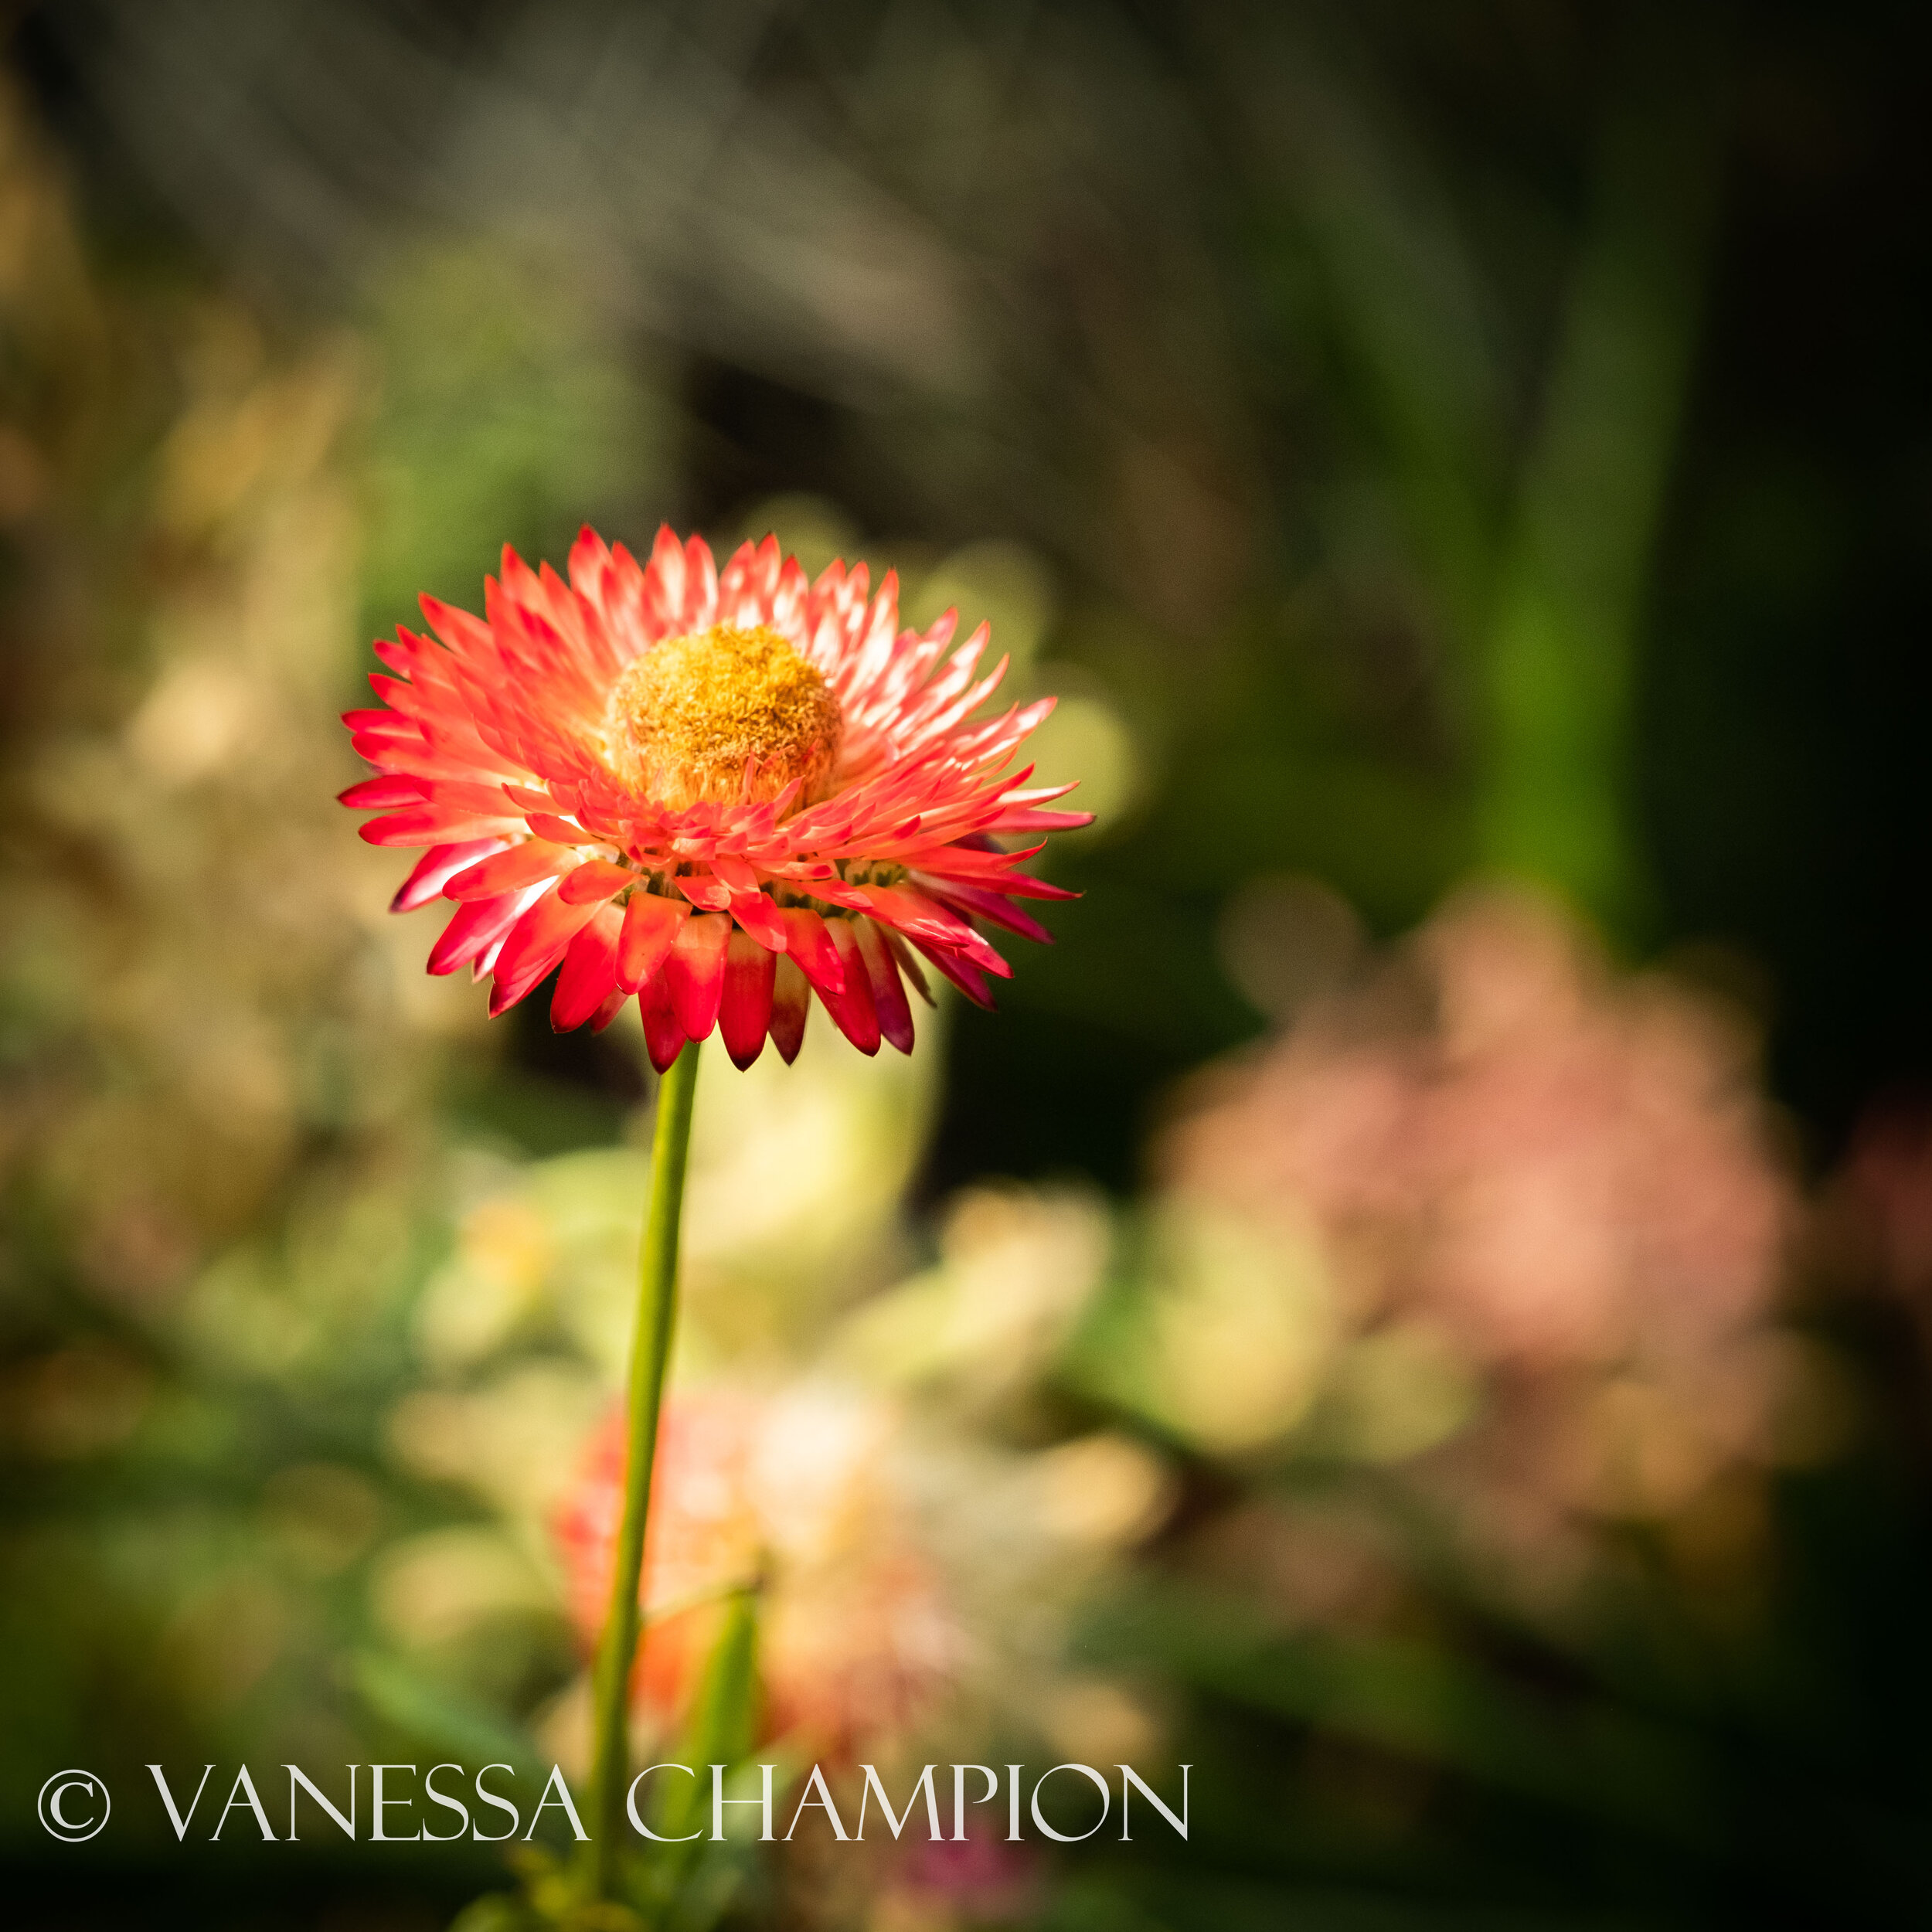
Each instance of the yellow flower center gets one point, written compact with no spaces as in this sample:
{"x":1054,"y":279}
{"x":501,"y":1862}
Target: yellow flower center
{"x":685,"y":718}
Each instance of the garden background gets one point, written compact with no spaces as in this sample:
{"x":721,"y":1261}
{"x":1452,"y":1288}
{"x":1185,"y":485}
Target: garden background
{"x":1418,"y":1304}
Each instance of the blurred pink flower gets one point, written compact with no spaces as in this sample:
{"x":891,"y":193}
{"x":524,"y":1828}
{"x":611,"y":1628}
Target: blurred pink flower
{"x":973,"y":1880}
{"x":857,"y":1642}
{"x":1567,"y":1174}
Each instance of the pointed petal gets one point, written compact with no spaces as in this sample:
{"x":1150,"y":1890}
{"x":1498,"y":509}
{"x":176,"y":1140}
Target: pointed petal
{"x":902,"y":951}
{"x":589,"y":977}
{"x":663,"y":1037}
{"x":927,"y":923}
{"x":1032,"y":818}
{"x":547,"y":824}
{"x":991,"y":906}
{"x":790,"y":1008}
{"x":1024,"y":885}
{"x":745,"y":1011}
{"x":702,"y":889}
{"x":808,"y":942}
{"x":962,"y":972}
{"x":510,"y":871}
{"x":596,"y":880}
{"x":437,"y":825}
{"x":852,"y":1009}
{"x":694,"y":972}
{"x":380,"y":793}
{"x":758,"y":914}
{"x":650,"y":927}
{"x":535,"y":943}
{"x":436,"y":868}
{"x":589,"y":558}
{"x":888,"y":994}
{"x":473,"y":928}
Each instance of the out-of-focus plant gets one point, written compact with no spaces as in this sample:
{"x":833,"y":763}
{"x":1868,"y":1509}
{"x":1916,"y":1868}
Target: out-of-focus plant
{"x":787,"y":1498}
{"x":219,"y":1170}
{"x":1521,"y":501}
{"x":913,"y":1552}
{"x":1503,"y":1363}
{"x":1492,"y":1217}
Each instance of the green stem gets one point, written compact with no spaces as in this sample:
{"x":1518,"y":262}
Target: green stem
{"x":650,"y":1352}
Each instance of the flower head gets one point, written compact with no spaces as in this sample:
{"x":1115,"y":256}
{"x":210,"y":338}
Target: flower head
{"x":719,"y":791}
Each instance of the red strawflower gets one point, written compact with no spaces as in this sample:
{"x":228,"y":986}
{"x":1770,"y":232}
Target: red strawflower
{"x":720,"y":792}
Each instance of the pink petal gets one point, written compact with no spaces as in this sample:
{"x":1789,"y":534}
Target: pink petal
{"x":589,"y":558}
{"x":1031,"y":818}
{"x":437,"y":825}
{"x":888,"y":994}
{"x":808,"y":942}
{"x":459,"y":794}
{"x":594,"y":882}
{"x":758,"y":914}
{"x":473,"y":928}
{"x":650,"y":928}
{"x":1023,"y":885}
{"x":589,"y":977}
{"x":436,"y":868}
{"x":745,"y":1011}
{"x":852,"y":1009}
{"x":989,"y":905}
{"x":927,"y":923}
{"x":510,"y":871}
{"x":663,"y":1037}
{"x":378,"y":793}
{"x":902,"y":952}
{"x":535,"y":943}
{"x":963,"y":974}
{"x":702,"y":889}
{"x":694,"y":973}
{"x":560,"y":831}
{"x":790,"y":1008}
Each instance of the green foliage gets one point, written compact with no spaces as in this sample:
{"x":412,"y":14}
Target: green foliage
{"x":499,"y":407}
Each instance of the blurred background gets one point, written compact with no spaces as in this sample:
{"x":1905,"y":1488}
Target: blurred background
{"x":1418,"y":1305}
